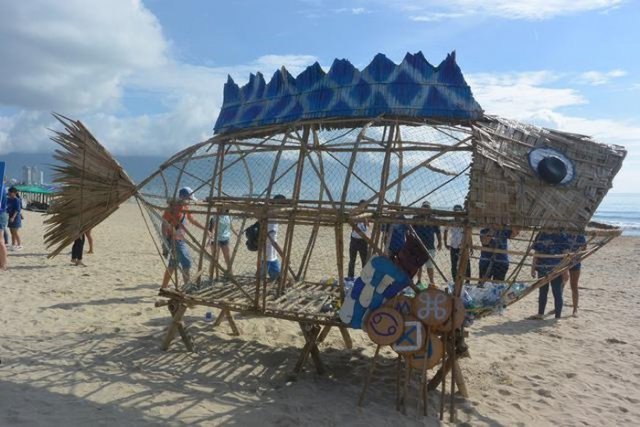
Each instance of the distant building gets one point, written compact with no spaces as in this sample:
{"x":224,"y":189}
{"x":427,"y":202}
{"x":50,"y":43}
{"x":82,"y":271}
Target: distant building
{"x":41,"y":177}
{"x":35,"y":175}
{"x":26,"y":175}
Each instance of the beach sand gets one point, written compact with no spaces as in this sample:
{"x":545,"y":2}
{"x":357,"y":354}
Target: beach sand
{"x":81,"y":346}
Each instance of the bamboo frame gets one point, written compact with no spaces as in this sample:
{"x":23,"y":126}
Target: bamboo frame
{"x":94,"y":186}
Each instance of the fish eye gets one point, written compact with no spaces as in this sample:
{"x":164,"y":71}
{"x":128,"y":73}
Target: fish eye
{"x":551,"y":166}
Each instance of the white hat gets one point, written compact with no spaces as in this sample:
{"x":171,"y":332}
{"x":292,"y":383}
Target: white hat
{"x":186,"y":193}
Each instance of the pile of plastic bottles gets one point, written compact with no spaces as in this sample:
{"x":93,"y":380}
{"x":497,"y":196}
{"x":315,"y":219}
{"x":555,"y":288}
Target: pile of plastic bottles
{"x":488,"y":296}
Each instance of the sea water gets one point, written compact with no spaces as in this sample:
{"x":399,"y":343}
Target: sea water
{"x":621,"y":210}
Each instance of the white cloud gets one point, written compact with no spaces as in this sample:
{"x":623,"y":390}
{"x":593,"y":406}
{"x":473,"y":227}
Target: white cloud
{"x":68,"y":55}
{"x":521,"y":96}
{"x":598,"y":78}
{"x":80,"y":61}
{"x":431,"y":10}
{"x":352,"y":10}
{"x":436,"y":16}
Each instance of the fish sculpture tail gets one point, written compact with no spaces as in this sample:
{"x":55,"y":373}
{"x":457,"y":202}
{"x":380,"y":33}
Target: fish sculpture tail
{"x":92,"y":185}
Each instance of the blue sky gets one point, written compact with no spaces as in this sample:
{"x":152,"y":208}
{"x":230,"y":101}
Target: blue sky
{"x":147,"y":76}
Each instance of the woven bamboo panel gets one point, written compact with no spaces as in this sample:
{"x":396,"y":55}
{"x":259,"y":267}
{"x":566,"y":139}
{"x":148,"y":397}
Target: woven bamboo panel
{"x":504,"y":189}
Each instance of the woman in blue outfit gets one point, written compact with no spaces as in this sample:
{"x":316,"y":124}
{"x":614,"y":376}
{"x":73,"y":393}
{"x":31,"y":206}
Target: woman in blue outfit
{"x":549,"y":244}
{"x":14,"y":210}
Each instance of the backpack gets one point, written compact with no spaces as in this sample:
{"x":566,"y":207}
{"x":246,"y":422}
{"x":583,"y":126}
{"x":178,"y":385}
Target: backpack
{"x":252,"y":234}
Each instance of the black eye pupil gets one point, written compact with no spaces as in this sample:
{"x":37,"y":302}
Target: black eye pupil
{"x":552,"y":170}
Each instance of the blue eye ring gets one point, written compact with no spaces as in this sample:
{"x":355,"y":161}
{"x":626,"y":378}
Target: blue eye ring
{"x":552,"y":166}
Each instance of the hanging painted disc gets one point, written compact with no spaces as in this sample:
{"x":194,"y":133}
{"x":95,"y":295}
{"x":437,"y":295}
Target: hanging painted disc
{"x":401,"y":303}
{"x":413,"y":336}
{"x":384,"y":326}
{"x":432,"y":306}
{"x":433,"y":354}
{"x":457,"y":315}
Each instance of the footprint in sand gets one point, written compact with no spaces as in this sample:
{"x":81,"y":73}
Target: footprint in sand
{"x":504,"y":392}
{"x":615,"y":341}
{"x":545,"y":393}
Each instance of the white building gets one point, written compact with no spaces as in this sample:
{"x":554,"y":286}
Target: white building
{"x":26,"y":175}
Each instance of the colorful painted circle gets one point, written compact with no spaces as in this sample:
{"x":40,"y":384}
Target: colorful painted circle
{"x":384,"y":326}
{"x":432,"y":354}
{"x":457,"y":315}
{"x":400,"y":303}
{"x":413,"y":337}
{"x":432,"y":307}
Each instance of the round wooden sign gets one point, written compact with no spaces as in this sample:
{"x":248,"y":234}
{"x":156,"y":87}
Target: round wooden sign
{"x":432,"y":306}
{"x":400,"y":303}
{"x":458,"y":316}
{"x":384,"y":326}
{"x":413,"y":337}
{"x":432,"y":354}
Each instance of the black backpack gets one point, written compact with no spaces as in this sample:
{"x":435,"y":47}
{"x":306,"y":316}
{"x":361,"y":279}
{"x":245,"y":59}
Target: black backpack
{"x":253,"y":235}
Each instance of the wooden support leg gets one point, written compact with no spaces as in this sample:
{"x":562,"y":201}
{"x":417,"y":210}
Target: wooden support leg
{"x":310,"y":333}
{"x":226,"y":314}
{"x":346,"y":337}
{"x":324,"y":333}
{"x":367,"y":380}
{"x":177,"y":311}
{"x":462,"y":386}
{"x":439,"y":375}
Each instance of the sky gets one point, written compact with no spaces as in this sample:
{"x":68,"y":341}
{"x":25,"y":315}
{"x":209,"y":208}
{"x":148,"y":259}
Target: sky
{"x":147,"y":76}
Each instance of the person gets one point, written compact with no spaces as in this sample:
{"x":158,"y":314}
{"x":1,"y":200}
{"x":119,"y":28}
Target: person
{"x":576,"y":242}
{"x":76,"y":251}
{"x":14,"y":209}
{"x":395,"y":236}
{"x":495,"y":265}
{"x":428,"y":235}
{"x":224,"y":230}
{"x":271,"y":267}
{"x":174,"y":232}
{"x":89,"y":240}
{"x":4,"y":220}
{"x":357,"y":244}
{"x":4,"y":216}
{"x":549,"y":244}
{"x":453,"y":237}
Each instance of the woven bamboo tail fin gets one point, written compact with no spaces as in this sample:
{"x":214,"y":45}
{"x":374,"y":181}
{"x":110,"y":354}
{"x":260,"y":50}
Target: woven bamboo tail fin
{"x":92,"y":185}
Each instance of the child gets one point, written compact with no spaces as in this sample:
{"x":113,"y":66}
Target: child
{"x":76,"y":251}
{"x":14,"y":209}
{"x":271,"y":267}
{"x":224,"y":230}
{"x":174,"y":231}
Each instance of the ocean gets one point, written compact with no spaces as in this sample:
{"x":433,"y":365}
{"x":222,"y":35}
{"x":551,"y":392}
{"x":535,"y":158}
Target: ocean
{"x":622,"y":210}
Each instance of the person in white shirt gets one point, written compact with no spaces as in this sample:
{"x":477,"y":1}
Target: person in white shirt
{"x":453,"y":237}
{"x":357,"y":244}
{"x":272,"y":264}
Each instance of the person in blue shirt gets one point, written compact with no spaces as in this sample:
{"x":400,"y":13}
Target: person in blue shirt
{"x":495,"y":265}
{"x":14,"y":209}
{"x":549,"y":244}
{"x":577,"y":242}
{"x":428,"y":235}
{"x":4,"y":220}
{"x":395,"y":236}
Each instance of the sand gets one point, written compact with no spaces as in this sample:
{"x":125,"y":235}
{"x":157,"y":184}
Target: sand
{"x":80,"y":346}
